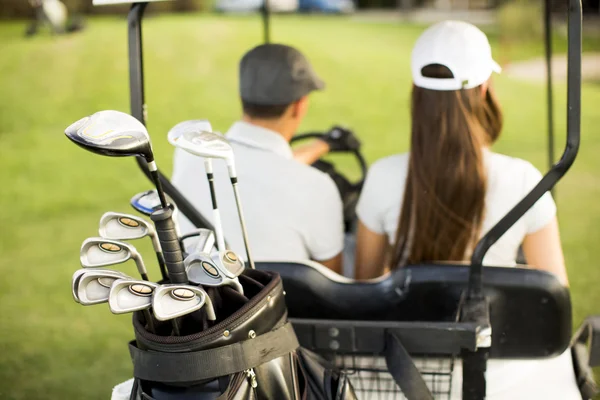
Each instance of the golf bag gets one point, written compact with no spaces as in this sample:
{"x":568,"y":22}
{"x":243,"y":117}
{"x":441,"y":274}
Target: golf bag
{"x":250,"y":353}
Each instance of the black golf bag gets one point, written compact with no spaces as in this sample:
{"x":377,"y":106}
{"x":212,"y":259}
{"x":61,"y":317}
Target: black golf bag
{"x":250,"y":352}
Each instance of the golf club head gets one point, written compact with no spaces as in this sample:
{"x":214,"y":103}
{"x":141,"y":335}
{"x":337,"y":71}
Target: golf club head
{"x":129,"y":295}
{"x":172,"y":301}
{"x":147,"y":202}
{"x":99,"y":252}
{"x":204,"y":241}
{"x":233,"y":266}
{"x":201,"y":270}
{"x":194,"y":125}
{"x":111,"y":133}
{"x":94,"y":286}
{"x":119,"y":226}
{"x":75,"y":282}
{"x":208,"y":145}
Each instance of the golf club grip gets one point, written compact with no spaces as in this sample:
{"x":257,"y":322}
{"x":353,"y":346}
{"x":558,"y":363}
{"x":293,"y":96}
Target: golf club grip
{"x":169,"y":242}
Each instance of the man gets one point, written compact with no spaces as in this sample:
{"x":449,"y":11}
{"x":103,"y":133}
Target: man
{"x":293,"y":211}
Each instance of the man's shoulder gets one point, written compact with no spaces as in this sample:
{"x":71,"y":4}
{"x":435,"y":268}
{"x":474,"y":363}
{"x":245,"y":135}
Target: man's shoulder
{"x":309,"y":175}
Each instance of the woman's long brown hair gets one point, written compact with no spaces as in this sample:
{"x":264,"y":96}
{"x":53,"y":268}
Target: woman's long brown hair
{"x":443,"y":206}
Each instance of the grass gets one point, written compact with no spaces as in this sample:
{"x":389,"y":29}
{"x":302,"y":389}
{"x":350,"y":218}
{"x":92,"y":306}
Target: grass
{"x":53,"y":193}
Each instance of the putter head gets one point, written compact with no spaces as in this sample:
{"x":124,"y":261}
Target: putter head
{"x":194,"y":125}
{"x":111,"y":133}
{"x":128,"y":295}
{"x":118,"y":226}
{"x":94,"y":286}
{"x":202,"y":270}
{"x":172,"y":301}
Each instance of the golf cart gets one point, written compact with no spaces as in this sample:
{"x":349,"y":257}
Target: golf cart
{"x":385,"y":333}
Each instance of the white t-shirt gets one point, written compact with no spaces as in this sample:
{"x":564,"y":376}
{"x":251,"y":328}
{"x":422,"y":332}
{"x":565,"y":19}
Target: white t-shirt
{"x":292,"y":211}
{"x":509,"y":180}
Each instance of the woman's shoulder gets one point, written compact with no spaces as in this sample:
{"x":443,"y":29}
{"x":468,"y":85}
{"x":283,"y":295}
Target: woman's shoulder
{"x":502,"y":161}
{"x":397,"y":163}
{"x":511,"y":173}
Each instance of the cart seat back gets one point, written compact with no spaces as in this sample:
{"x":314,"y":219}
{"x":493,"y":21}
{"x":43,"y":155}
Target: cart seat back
{"x":530,"y":310}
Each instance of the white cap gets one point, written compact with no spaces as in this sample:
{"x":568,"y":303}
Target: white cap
{"x":459,"y":46}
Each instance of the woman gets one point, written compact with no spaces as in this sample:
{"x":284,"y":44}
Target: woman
{"x":436,"y":202}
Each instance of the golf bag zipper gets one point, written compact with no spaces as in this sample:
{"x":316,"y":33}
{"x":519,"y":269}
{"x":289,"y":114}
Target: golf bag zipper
{"x":251,"y":377}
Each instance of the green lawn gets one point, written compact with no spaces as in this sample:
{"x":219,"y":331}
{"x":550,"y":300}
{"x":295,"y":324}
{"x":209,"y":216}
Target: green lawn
{"x":53,"y":193}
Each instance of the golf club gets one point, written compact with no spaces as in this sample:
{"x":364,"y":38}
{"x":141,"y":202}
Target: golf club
{"x":128,"y":295}
{"x":116,"y":134}
{"x":204,"y":243}
{"x":203,"y":270}
{"x":172,"y":301}
{"x":147,"y":202}
{"x":99,"y":252}
{"x":93,"y":286}
{"x":75,"y":282}
{"x":193,"y":139}
{"x":120,"y":226}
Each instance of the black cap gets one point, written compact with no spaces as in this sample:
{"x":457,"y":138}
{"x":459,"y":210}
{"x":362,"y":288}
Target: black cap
{"x":275,"y":74}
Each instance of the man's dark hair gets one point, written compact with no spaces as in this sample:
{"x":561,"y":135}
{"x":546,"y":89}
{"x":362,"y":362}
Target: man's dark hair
{"x":263,"y":111}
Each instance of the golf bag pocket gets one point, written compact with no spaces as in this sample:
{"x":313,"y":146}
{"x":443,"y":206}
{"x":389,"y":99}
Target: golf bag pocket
{"x":247,"y":354}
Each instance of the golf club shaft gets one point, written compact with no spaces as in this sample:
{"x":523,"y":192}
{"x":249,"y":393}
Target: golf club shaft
{"x":161,"y":265}
{"x":238,"y":203}
{"x":213,"y":196}
{"x":156,"y":179}
{"x":159,"y":255}
{"x":149,"y":321}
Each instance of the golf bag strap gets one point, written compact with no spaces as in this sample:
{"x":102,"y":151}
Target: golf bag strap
{"x":404,"y":371}
{"x":212,"y":363}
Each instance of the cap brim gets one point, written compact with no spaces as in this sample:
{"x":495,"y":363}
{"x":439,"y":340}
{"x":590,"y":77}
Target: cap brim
{"x":318,"y":83}
{"x":496,"y":67}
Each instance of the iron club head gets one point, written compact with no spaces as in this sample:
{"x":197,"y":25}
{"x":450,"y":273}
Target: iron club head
{"x":93,"y":286}
{"x":202,"y":270}
{"x":99,"y":252}
{"x":172,"y":301}
{"x":129,"y":295}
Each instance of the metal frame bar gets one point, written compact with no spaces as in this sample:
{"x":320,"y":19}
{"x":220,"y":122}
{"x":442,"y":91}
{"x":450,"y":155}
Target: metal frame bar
{"x":266,"y":21}
{"x":559,"y":169}
{"x":139,"y":109}
{"x":549,"y":92}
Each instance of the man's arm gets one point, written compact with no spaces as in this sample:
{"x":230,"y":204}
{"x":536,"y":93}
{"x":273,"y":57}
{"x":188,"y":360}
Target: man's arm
{"x":311,"y":152}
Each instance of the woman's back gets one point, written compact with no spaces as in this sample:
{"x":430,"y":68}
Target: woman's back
{"x":508,"y":181}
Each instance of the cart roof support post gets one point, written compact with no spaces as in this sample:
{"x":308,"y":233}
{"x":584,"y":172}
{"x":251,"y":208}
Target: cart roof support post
{"x":266,"y":21}
{"x":139,"y":109}
{"x":558,"y":169}
{"x":549,"y":94}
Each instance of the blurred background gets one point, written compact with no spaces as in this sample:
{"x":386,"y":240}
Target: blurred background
{"x":52,"y":194}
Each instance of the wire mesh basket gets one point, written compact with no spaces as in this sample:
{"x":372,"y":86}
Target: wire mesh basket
{"x":372,"y":381}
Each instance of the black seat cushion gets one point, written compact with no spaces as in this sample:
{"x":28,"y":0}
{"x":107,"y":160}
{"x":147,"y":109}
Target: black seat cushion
{"x":530,"y":309}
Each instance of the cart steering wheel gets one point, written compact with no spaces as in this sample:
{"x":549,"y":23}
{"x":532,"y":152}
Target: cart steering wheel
{"x":349,"y":191}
